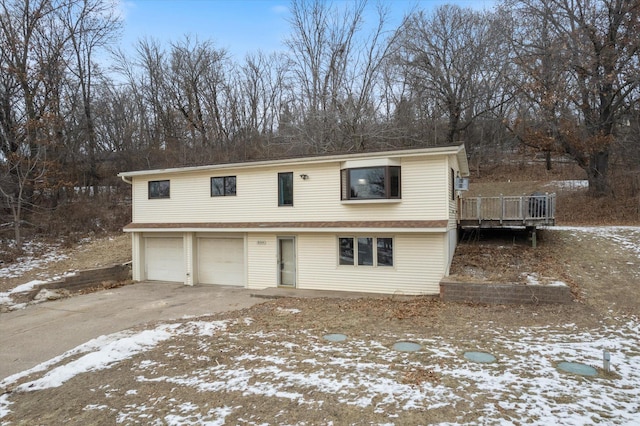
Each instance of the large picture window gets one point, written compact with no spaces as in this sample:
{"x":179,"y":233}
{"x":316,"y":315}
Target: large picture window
{"x":365,"y":251}
{"x":285,"y":189}
{"x":159,"y":189}
{"x":223,"y":186}
{"x":367,"y":183}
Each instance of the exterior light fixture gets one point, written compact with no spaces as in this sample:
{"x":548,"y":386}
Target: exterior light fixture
{"x":304,"y":176}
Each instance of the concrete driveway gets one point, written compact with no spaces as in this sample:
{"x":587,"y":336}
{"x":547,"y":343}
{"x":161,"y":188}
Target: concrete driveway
{"x":41,"y":332}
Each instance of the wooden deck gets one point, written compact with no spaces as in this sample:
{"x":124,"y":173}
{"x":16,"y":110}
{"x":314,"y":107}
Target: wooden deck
{"x":527,"y":211}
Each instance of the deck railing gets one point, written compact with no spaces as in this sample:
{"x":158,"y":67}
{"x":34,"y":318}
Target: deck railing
{"x":524,"y":210}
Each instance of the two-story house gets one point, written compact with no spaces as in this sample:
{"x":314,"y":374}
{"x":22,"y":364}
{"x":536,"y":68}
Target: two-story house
{"x":382,"y":222}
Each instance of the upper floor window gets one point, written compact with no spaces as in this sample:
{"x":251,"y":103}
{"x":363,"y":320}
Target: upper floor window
{"x":159,"y":189}
{"x":366,"y":183}
{"x":285,"y":189}
{"x":221,"y":186}
{"x":453,"y":184}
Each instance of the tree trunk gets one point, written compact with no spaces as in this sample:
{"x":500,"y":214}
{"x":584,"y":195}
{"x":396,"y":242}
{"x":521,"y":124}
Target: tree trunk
{"x":547,"y":158}
{"x":598,"y":174}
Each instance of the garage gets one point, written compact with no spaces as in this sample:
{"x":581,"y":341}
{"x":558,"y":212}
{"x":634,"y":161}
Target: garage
{"x":221,"y":261}
{"x":164,"y":259}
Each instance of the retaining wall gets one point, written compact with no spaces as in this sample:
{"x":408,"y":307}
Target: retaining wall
{"x":90,"y":278}
{"x":491,"y":293}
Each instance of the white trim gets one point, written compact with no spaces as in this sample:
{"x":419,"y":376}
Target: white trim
{"x":275,"y":230}
{"x":371,"y":162}
{"x":372,"y":201}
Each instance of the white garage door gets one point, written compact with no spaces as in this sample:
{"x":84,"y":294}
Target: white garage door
{"x":164,"y":259}
{"x":221,"y":261}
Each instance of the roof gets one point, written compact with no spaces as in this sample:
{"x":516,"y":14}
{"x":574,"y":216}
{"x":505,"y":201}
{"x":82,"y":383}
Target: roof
{"x":458,"y":150}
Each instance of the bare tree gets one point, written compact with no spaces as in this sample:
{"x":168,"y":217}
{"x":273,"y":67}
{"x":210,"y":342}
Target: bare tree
{"x":583,"y":74}
{"x":454,"y":61}
{"x":335,"y":69}
{"x":90,"y":25}
{"x":28,"y":53}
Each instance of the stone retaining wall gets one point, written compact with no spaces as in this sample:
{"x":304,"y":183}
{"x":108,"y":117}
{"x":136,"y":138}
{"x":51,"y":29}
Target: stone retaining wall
{"x":90,"y":278}
{"x":491,"y":293}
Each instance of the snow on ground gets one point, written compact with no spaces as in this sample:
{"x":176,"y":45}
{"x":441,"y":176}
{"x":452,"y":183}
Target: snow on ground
{"x":569,"y":185}
{"x":36,"y":256}
{"x":627,"y":237}
{"x":306,"y":370}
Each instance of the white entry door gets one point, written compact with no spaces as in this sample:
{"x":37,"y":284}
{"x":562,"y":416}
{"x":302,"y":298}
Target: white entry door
{"x":287,"y":261}
{"x":221,"y":261}
{"x":164,"y":259}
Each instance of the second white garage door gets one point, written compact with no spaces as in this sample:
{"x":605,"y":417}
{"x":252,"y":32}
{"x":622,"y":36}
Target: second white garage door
{"x":221,"y":261}
{"x":164,"y":259}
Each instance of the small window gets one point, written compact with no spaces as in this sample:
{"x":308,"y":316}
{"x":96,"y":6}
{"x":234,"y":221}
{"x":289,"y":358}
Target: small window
{"x":285,"y":189}
{"x":346,"y":251}
{"x":159,"y":189}
{"x":369,"y":251}
{"x":367,"y":183}
{"x":223,"y":186}
{"x":385,"y":251}
{"x":365,"y":251}
{"x":453,"y":184}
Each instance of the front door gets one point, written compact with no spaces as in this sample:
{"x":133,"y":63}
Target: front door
{"x":287,"y":261}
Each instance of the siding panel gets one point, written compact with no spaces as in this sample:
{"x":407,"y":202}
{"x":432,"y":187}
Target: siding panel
{"x":418,"y":269}
{"x":262,"y":261}
{"x":424,"y":191}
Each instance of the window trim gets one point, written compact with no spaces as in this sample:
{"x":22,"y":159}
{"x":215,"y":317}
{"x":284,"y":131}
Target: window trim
{"x":281,"y":199}
{"x":345,"y":184}
{"x":160,"y":195}
{"x":356,"y":255}
{"x":224,"y":186}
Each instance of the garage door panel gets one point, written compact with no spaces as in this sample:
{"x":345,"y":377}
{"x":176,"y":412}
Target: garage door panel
{"x":164,"y":259}
{"x":221,"y":261}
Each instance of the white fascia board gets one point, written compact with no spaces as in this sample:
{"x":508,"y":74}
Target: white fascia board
{"x":463,"y":162}
{"x":446,"y":150}
{"x":294,"y":230}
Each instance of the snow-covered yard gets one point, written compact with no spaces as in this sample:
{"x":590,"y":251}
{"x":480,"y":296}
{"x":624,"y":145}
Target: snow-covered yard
{"x":364,"y":375}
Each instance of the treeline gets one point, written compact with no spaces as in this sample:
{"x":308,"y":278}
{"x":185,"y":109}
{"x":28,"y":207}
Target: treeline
{"x":556,"y":76}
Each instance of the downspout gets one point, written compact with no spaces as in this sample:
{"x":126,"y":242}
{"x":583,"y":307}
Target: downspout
{"x":126,"y":179}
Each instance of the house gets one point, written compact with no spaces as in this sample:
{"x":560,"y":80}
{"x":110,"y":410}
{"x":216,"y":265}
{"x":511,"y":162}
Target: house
{"x":382,"y":222}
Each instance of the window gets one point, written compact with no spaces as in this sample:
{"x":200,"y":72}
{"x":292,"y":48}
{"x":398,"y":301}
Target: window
{"x":159,"y":189}
{"x":285,"y":189}
{"x":367,"y":183}
{"x":365,"y":251}
{"x":453,"y":185}
{"x":346,"y":251}
{"x":221,"y":186}
{"x":385,"y":251}
{"x":369,"y":251}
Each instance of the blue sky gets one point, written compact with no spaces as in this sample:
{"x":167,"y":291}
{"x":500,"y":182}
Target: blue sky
{"x":240,"y":26}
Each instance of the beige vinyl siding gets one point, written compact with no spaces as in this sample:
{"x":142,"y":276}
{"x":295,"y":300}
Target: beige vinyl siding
{"x":424,"y":188}
{"x":137,"y":256}
{"x":452,"y":236}
{"x":453,"y":204}
{"x":262,"y":261}
{"x":424,"y":191}
{"x":418,"y":266}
